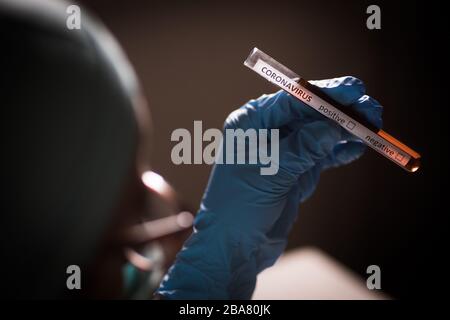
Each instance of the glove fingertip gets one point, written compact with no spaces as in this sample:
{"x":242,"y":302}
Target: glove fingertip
{"x":349,"y":151}
{"x":344,"y":153}
{"x":371,"y":109}
{"x":345,"y":90}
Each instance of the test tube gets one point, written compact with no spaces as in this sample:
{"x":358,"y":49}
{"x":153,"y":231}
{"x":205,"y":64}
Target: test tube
{"x":377,"y":139}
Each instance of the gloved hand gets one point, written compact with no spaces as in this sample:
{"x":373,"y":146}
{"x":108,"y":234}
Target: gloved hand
{"x":245,"y":217}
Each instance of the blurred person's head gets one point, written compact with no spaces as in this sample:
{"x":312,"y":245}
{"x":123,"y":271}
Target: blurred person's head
{"x":70,"y":103}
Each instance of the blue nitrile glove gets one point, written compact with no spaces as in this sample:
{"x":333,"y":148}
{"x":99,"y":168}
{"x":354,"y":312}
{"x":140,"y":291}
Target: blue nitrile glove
{"x":245,"y":217}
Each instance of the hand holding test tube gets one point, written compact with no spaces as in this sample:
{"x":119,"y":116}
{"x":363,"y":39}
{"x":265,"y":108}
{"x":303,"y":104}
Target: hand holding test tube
{"x":298,"y":87}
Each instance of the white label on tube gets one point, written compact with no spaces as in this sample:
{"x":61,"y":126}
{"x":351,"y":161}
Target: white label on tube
{"x":369,"y":137}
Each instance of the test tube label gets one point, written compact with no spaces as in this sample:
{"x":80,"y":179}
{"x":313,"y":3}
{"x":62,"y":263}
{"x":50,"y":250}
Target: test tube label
{"x":292,"y":87}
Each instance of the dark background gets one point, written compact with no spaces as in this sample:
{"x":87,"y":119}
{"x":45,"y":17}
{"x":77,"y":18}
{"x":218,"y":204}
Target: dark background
{"x":189,"y":58}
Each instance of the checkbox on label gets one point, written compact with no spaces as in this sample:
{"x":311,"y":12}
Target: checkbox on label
{"x":350,"y":125}
{"x":399,"y":157}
